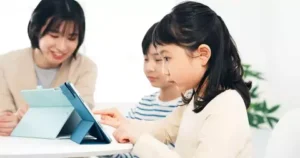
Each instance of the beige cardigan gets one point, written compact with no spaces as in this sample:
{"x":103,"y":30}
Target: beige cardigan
{"x":221,"y":130}
{"x":17,"y":73}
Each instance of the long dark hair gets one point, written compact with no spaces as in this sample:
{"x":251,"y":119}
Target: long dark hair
{"x":191,"y":24}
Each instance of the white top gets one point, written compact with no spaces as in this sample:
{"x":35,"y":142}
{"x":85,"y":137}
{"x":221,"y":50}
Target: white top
{"x":221,"y":130}
{"x":45,"y":77}
{"x":15,"y":147}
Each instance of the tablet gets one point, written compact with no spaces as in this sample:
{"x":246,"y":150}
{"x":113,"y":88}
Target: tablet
{"x":58,"y":112}
{"x":88,"y":120}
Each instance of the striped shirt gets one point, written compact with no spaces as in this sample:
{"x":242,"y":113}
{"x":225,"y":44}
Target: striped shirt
{"x":151,"y":108}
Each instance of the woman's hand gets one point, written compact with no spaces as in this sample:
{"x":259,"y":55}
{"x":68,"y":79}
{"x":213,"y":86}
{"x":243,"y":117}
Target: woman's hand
{"x":21,"y":112}
{"x":111,"y":117}
{"x":9,"y":120}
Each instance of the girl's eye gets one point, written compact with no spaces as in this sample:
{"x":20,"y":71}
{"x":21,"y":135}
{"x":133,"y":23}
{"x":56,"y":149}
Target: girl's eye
{"x":166,"y":58}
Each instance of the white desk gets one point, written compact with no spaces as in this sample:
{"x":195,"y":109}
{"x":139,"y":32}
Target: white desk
{"x":13,"y":147}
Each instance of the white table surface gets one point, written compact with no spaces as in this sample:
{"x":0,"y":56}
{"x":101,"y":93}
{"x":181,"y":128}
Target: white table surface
{"x":17,"y":147}
{"x":12,"y":147}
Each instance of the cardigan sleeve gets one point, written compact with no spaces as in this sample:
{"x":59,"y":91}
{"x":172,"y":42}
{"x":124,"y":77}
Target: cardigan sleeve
{"x":6,"y":99}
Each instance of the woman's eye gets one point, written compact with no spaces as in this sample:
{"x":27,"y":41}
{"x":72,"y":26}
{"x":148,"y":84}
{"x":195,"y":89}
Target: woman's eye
{"x":54,"y":35}
{"x":73,"y":38}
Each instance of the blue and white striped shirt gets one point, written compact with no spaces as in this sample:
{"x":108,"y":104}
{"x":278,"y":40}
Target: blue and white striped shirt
{"x":151,"y":108}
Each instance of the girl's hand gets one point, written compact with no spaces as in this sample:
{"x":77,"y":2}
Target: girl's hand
{"x":111,"y":117}
{"x":127,"y":133}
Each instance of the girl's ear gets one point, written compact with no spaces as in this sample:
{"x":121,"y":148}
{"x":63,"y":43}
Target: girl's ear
{"x":203,"y":53}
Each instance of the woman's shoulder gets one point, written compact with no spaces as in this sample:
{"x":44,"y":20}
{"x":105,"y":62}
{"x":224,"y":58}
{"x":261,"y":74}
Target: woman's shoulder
{"x":83,"y":61}
{"x":15,"y":56}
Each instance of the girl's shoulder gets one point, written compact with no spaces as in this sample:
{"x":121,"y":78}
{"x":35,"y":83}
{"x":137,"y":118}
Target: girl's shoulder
{"x":229,"y":100}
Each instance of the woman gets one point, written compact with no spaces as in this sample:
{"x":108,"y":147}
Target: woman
{"x":56,"y":31}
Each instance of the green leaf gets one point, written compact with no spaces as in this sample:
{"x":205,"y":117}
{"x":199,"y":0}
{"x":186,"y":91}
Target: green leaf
{"x":273,"y":109}
{"x":253,"y":92}
{"x":250,"y":118}
{"x":264,"y":107}
{"x":246,"y":66}
{"x":257,"y":75}
{"x":272,"y":121}
{"x":248,"y":72}
{"x":259,"y":119}
{"x":255,"y":120}
{"x":252,"y":123}
{"x":256,"y":106}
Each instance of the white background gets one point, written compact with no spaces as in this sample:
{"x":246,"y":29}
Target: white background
{"x":266,"y":32}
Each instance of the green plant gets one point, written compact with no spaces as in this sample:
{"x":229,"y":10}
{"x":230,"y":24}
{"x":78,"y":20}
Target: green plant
{"x":259,"y":112}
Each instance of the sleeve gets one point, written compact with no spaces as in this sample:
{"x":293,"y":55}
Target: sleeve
{"x":87,"y":82}
{"x":164,"y":130}
{"x":6,"y":99}
{"x":131,"y":115}
{"x":223,"y":135}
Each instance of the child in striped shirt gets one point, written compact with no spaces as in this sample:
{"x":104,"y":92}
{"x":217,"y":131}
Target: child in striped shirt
{"x":159,"y":104}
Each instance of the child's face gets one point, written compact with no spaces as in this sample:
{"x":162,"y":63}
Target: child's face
{"x":153,"y":63}
{"x":183,"y":68}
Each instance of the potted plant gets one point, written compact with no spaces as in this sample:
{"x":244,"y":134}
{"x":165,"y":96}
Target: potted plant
{"x":259,"y":112}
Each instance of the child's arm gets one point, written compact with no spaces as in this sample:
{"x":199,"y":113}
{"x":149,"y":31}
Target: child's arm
{"x":224,"y":134}
{"x":219,"y":142}
{"x":130,"y":115}
{"x":164,"y":130}
{"x":154,"y":127}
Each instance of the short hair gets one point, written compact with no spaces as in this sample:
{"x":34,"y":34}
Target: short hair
{"x":147,"y":40}
{"x":59,"y":11}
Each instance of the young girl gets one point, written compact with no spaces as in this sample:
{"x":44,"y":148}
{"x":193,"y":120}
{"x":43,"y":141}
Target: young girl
{"x":56,"y":31}
{"x":199,"y":54}
{"x":157,"y":105}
